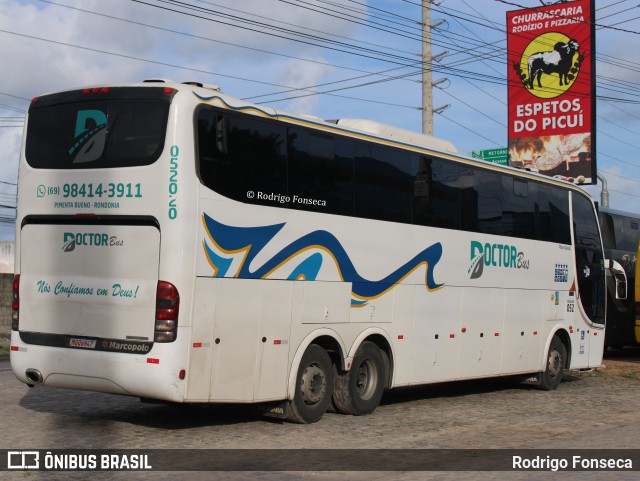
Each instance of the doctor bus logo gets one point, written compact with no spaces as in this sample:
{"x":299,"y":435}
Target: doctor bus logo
{"x":489,"y":255}
{"x":71,"y":240}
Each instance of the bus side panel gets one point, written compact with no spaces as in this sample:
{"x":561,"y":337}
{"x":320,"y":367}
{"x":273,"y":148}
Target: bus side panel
{"x":240,"y":342}
{"x":235,"y":337}
{"x":201,"y":351}
{"x":523,"y":331}
{"x":481,"y":332}
{"x":402,"y":330}
{"x":596,"y":346}
{"x":434,"y":353}
{"x":379,"y":309}
{"x":272,"y":366}
{"x":326,"y":302}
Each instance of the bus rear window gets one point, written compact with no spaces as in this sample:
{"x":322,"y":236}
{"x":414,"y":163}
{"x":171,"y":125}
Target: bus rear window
{"x":95,"y":132}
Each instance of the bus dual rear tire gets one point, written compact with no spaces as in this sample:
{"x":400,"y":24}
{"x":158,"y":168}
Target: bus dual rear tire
{"x":314,"y":387}
{"x":359,"y":390}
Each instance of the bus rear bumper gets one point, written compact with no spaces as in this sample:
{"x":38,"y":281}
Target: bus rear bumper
{"x":155,"y":375}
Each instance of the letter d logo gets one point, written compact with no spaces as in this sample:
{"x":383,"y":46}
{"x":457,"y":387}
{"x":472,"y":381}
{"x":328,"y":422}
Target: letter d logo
{"x":477,"y":260}
{"x":69,"y":242}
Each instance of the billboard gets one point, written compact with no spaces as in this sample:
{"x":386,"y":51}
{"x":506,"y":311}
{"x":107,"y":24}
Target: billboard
{"x":551,"y":88}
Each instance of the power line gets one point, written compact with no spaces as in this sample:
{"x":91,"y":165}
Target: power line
{"x":202,"y":1}
{"x":469,"y":130}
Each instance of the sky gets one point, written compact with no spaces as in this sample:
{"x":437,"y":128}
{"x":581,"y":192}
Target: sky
{"x":328,"y":58}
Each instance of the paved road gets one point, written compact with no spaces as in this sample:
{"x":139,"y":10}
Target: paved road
{"x":589,"y":410}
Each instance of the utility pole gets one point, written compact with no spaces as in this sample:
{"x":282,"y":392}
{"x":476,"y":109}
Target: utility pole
{"x":427,"y":83}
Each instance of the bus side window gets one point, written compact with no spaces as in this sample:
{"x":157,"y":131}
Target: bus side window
{"x":222,"y":134}
{"x":589,"y":259}
{"x":320,"y":172}
{"x":446,"y":198}
{"x":481,"y":200}
{"x":520,"y":209}
{"x":206,"y":146}
{"x":382,"y":183}
{"x":422,"y":190}
{"x":242,"y":156}
{"x":553,"y":205}
{"x":608,"y":231}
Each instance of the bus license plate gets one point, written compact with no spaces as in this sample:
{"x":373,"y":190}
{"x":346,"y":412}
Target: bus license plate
{"x":82,"y":342}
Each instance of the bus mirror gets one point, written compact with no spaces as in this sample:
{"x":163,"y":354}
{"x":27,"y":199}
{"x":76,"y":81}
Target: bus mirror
{"x":620,"y":277}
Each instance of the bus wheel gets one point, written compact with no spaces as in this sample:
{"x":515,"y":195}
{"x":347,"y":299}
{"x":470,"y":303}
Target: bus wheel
{"x":359,"y":390}
{"x":314,"y":386}
{"x":551,"y":377}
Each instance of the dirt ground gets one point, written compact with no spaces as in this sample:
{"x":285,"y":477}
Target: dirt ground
{"x":624,"y":363}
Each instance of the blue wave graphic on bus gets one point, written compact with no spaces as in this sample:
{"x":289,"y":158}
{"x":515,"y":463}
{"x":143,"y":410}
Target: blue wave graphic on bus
{"x":249,"y":242}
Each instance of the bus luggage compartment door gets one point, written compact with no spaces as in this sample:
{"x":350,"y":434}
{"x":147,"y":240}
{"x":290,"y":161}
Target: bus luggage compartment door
{"x":89,"y":282}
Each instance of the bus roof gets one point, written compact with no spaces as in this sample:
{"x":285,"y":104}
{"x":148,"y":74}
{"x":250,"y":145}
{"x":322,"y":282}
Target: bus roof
{"x":395,"y":133}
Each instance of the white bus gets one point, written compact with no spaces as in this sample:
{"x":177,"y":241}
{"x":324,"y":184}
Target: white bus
{"x":178,"y":244}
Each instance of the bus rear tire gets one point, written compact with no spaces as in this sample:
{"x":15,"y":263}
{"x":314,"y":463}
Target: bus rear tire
{"x":314,"y":387}
{"x":359,"y":390}
{"x":551,"y":377}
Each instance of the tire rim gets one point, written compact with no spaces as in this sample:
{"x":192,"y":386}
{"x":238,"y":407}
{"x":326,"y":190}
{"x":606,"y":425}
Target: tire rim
{"x":313,"y":385}
{"x":366,"y":379}
{"x":555,"y":363}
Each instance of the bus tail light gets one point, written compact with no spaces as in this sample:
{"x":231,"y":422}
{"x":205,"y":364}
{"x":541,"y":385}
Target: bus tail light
{"x":15,"y":303}
{"x":167,"y":308}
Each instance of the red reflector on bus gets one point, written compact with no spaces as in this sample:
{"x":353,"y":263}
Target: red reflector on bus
{"x":197,"y":344}
{"x":496,"y":334}
{"x":182,"y":374}
{"x":451,"y":336}
{"x":152,"y":360}
{"x":277,"y":341}
{"x":34,"y":99}
{"x":401,"y":337}
{"x":168,"y":90}
{"x":15,"y":348}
